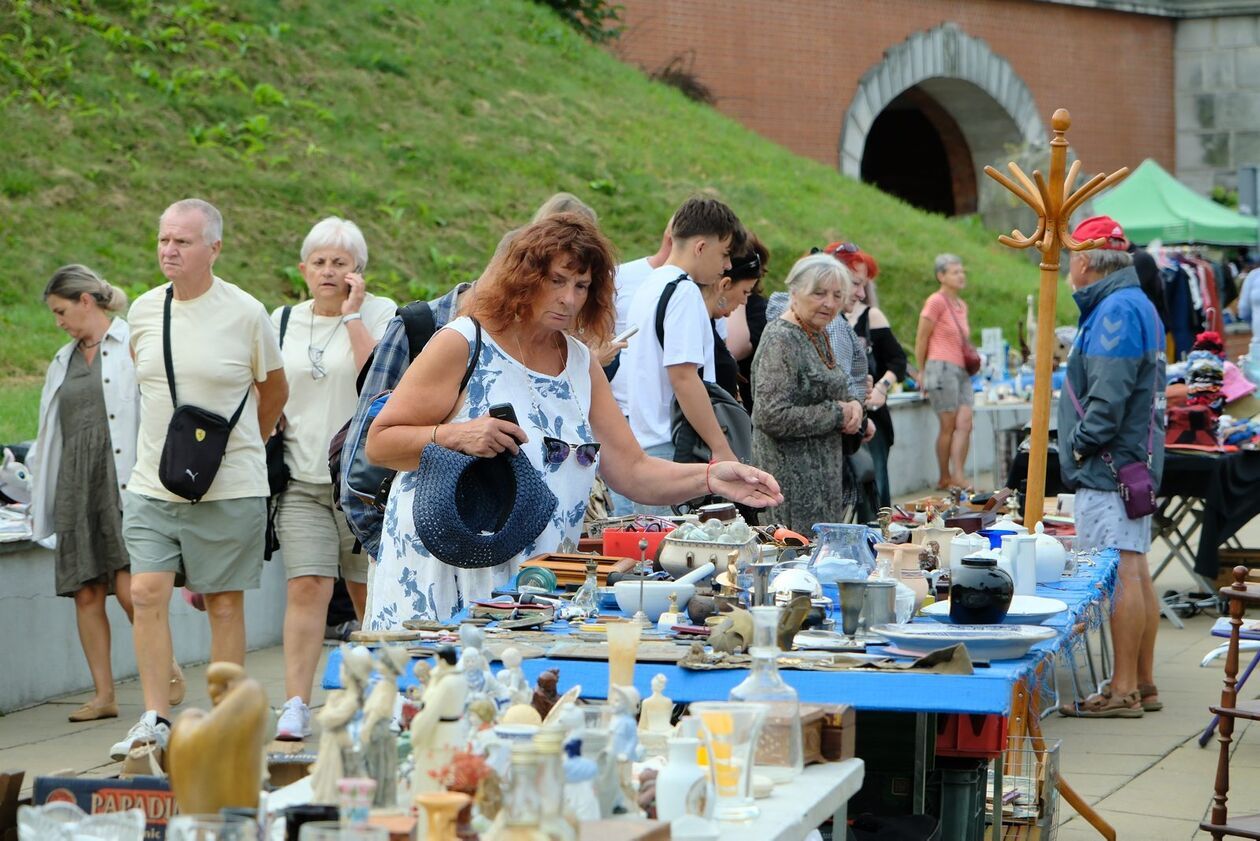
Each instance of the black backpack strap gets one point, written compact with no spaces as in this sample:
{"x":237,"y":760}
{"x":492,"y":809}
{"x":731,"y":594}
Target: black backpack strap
{"x":166,"y":344}
{"x":420,"y":325}
{"x":472,"y":360}
{"x":663,"y":304}
{"x":284,"y":323}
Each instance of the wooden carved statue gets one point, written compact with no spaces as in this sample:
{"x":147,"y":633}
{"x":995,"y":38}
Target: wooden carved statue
{"x":216,"y":759}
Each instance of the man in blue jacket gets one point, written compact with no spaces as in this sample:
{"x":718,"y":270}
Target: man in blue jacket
{"x":1111,"y":414}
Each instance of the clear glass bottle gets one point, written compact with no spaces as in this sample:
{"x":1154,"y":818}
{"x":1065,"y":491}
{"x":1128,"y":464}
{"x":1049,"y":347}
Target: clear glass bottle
{"x":586,"y":599}
{"x":519,"y":818}
{"x":549,"y":745}
{"x":780,"y":754}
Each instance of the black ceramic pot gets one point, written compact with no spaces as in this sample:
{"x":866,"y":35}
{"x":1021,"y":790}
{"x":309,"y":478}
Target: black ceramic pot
{"x":979,"y":593}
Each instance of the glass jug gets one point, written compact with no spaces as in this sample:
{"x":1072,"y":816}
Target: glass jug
{"x":841,"y":552}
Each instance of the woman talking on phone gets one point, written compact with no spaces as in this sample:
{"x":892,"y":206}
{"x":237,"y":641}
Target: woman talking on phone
{"x":324,"y":341}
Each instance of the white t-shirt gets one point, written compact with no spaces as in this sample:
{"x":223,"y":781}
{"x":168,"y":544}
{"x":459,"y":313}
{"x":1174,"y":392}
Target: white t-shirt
{"x":688,"y":339}
{"x":317,"y":408}
{"x":221,"y":344}
{"x":630,"y":277}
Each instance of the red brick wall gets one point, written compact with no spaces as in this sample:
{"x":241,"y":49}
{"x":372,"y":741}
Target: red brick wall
{"x":788,"y":69}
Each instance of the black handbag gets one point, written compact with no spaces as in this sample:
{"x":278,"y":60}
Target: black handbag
{"x":732,"y":417}
{"x":196,"y":438}
{"x":278,"y":473}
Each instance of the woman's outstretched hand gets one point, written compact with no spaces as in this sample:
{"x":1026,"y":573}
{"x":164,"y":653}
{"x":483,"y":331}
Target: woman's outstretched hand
{"x":744,"y":484}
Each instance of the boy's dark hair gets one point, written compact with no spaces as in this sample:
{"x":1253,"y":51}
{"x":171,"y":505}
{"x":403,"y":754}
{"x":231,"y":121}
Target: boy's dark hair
{"x":699,"y":217}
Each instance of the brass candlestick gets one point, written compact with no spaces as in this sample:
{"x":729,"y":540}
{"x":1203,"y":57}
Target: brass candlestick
{"x":1054,"y":202}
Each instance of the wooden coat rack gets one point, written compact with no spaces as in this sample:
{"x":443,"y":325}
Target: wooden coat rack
{"x":1054,"y":202}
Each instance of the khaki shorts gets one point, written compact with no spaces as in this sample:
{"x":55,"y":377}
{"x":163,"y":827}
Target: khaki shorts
{"x":947,"y":386}
{"x":211,"y":547}
{"x":314,"y":536}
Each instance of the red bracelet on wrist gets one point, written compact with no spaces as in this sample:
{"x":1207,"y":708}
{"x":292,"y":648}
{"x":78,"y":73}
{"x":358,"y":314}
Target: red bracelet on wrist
{"x":706,"y":475}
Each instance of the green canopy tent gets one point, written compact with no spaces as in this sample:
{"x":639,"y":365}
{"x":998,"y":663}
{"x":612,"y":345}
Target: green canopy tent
{"x":1152,"y":205}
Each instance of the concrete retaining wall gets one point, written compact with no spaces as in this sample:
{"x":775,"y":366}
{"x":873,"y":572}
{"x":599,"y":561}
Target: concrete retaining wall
{"x":40,"y":657}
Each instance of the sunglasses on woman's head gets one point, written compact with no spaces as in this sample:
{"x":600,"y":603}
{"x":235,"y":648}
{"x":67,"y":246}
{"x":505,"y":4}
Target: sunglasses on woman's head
{"x":556,"y":451}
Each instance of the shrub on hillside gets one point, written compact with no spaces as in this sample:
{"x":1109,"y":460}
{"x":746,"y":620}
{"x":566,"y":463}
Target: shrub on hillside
{"x":598,"y":20}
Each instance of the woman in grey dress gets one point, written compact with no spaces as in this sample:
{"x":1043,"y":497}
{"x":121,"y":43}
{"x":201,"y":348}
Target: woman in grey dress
{"x":83,"y":455}
{"x":804,"y":400}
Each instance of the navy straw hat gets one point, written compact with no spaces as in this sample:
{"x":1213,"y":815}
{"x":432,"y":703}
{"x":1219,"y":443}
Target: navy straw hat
{"x":473,"y":512}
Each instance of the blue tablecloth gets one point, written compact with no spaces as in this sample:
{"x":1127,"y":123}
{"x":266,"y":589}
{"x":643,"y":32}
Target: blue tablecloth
{"x":986,"y":691}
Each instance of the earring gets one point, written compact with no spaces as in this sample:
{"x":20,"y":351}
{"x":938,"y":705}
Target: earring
{"x":721,"y":301}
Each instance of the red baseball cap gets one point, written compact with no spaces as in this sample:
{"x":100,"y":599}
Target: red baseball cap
{"x":1102,"y":226}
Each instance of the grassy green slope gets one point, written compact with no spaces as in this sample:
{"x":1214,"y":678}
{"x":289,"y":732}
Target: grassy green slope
{"x":435,"y":125}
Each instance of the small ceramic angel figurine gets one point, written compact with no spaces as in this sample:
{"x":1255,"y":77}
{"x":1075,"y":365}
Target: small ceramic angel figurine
{"x":512,"y":678}
{"x":381,"y":743}
{"x":439,"y":728}
{"x":337,"y":757}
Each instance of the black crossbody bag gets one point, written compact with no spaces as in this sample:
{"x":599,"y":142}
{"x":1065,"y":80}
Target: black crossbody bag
{"x":196,"y":439}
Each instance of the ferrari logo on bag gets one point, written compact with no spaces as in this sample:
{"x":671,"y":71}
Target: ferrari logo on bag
{"x":200,"y":435}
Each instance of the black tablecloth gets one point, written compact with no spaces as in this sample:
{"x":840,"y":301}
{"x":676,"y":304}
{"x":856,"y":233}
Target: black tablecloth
{"x":1228,"y":484}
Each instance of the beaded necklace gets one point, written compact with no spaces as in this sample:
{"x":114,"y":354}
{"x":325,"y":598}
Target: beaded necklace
{"x":822,"y":345}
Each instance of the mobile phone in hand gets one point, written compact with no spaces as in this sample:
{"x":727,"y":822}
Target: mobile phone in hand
{"x":626,"y":334}
{"x":504,"y":412}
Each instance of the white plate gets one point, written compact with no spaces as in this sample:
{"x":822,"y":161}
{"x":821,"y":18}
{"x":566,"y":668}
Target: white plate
{"x":1025,"y":610}
{"x":984,"y":642}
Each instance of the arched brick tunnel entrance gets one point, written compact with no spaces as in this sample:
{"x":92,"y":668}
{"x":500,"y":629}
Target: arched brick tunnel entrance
{"x":926,"y":120}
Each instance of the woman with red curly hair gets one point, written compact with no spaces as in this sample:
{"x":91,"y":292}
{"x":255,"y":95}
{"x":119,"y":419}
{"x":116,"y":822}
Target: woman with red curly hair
{"x":552,"y":285}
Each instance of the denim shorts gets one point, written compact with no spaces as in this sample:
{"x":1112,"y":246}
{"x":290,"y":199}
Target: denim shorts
{"x":947,"y":385}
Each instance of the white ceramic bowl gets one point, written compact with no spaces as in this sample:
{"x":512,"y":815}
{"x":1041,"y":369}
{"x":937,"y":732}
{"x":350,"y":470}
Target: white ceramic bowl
{"x":655,"y":596}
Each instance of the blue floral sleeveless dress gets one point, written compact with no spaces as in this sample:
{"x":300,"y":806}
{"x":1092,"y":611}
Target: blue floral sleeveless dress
{"x":408,"y":582}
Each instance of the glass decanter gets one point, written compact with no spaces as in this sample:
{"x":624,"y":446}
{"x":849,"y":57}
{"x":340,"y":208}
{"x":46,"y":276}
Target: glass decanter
{"x":586,"y":599}
{"x":841,"y":552}
{"x":780,"y":754}
{"x":519,"y":819}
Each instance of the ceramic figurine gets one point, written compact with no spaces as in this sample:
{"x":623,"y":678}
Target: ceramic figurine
{"x":545,"y":695}
{"x":791,"y":619}
{"x":470,"y":636}
{"x":656,"y":710}
{"x":337,"y":756}
{"x":481,"y":681}
{"x":733,"y":633}
{"x":625,"y":747}
{"x":512,"y":678}
{"x":929,"y":556}
{"x":579,"y":783}
{"x":217,"y":759}
{"x":521,"y":714}
{"x":420,"y":671}
{"x":439,"y":728}
{"x":380,"y":741}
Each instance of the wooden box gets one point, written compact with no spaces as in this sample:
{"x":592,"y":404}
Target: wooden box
{"x":772,"y":746}
{"x":570,"y":570}
{"x":288,"y":762}
{"x":839,"y":732}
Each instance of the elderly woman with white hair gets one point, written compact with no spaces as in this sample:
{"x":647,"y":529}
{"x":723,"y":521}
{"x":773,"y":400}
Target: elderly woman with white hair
{"x":802,"y":400}
{"x":324,"y":340}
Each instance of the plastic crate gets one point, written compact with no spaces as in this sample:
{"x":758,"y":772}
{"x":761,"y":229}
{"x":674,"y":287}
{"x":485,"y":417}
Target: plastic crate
{"x":620,"y":543}
{"x":969,"y":735}
{"x":961,"y":785}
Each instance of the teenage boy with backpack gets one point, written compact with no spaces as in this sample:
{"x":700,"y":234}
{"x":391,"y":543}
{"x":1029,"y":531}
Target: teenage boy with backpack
{"x":704,"y":232}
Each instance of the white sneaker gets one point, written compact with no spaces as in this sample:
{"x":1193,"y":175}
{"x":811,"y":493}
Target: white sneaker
{"x":148,"y":730}
{"x":295,"y":721}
